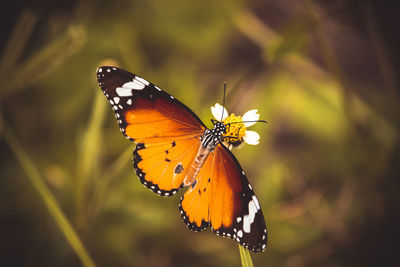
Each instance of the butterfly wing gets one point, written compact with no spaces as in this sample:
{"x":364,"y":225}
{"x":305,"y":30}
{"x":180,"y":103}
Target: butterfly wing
{"x":223,"y":198}
{"x":167,"y":133}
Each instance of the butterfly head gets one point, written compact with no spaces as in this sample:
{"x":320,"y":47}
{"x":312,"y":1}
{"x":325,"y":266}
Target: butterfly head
{"x":219,"y":128}
{"x":212,"y":137}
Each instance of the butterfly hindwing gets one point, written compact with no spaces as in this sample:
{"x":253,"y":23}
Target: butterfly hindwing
{"x":163,"y":166}
{"x":233,"y":209}
{"x":194,"y":206}
{"x":166,"y":131}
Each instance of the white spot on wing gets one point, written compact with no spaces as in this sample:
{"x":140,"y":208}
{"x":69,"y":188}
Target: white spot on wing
{"x":134,"y":85}
{"x":249,"y":219}
{"x":129,"y":101}
{"x":142,"y":80}
{"x":123,"y":91}
{"x":256,"y":202}
{"x":116,"y":99}
{"x":157,"y":88}
{"x":240,"y":233}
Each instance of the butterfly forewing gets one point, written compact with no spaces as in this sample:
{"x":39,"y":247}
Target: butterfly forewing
{"x":143,"y":110}
{"x":156,"y":121}
{"x":245,"y":222}
{"x":233,"y":209}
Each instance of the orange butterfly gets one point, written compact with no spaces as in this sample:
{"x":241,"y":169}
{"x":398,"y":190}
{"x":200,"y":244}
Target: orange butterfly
{"x":175,"y":149}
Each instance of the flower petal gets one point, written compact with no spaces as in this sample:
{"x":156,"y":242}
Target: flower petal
{"x":217,"y":112}
{"x":251,"y":115}
{"x":251,"y":138}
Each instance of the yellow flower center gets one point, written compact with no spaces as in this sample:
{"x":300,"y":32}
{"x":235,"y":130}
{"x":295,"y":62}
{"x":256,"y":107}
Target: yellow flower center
{"x":235,"y":129}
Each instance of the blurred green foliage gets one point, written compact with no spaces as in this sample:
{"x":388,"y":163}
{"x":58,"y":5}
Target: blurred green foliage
{"x":325,"y":172}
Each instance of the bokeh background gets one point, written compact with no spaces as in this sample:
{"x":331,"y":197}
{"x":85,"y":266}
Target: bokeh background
{"x":323,"y":73}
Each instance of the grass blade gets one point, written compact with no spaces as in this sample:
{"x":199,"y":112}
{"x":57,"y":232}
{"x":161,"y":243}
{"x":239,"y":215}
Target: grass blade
{"x":47,"y":197}
{"x":88,"y":157}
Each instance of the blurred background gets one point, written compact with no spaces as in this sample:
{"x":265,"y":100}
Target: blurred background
{"x":322,"y":73}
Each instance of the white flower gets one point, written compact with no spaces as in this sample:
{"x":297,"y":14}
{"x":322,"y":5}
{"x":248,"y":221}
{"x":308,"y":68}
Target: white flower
{"x":252,"y":116}
{"x":238,"y":125}
{"x":219,"y":112}
{"x":251,"y":138}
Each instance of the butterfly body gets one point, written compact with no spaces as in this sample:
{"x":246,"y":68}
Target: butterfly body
{"x":174,"y":150}
{"x":209,"y":141}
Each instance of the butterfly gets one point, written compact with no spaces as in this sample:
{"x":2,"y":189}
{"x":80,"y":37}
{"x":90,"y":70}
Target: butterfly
{"x":174,"y":149}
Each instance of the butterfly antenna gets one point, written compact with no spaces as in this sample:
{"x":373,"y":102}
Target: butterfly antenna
{"x":223,"y":101}
{"x":248,"y":121}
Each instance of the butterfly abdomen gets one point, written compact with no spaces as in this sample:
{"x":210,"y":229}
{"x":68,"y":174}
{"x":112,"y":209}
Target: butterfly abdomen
{"x":208,"y":143}
{"x":196,"y":166}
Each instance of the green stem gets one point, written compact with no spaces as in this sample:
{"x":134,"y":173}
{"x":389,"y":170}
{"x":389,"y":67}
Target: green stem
{"x":245,"y":257}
